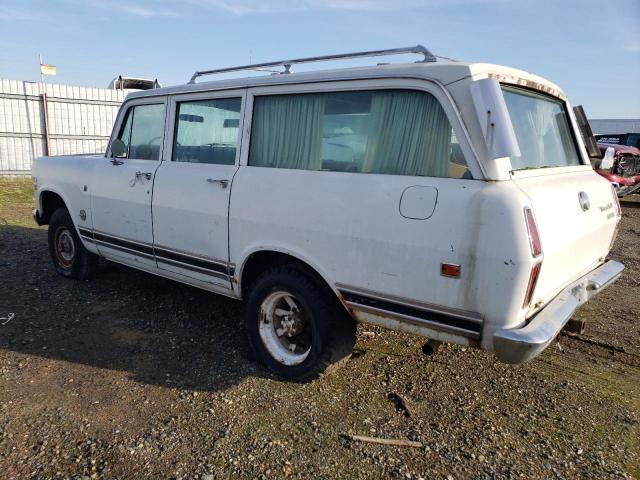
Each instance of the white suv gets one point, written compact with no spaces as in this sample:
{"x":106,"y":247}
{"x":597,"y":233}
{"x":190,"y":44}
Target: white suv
{"x":447,"y":199}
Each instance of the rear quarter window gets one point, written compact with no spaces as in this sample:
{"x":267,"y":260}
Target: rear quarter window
{"x":542,"y":128}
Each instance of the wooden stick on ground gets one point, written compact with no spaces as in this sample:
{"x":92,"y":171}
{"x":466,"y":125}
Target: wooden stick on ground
{"x":398,"y":442}
{"x":401,"y":403}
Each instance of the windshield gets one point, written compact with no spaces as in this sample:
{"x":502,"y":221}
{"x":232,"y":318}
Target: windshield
{"x":542,"y":129}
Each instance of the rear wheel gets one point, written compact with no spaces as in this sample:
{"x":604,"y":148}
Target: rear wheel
{"x":296,"y":328}
{"x":69,"y":256}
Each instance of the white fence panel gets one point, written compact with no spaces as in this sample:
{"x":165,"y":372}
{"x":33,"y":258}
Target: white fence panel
{"x":79,"y":120}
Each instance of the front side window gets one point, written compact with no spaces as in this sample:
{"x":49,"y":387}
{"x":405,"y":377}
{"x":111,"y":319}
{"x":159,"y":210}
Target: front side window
{"x":142,"y":131}
{"x":207,"y":131}
{"x":542,"y":128}
{"x":395,"y":132}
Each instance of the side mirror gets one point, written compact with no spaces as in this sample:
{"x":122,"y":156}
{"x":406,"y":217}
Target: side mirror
{"x":118,"y":148}
{"x":492,"y":113}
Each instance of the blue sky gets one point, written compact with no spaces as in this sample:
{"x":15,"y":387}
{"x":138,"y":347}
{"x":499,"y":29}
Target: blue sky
{"x":590,"y":48}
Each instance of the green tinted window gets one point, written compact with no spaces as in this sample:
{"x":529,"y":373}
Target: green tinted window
{"x":396,"y":132}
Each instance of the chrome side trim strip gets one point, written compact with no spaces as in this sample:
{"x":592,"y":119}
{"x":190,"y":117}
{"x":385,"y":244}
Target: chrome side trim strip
{"x":191,"y":255}
{"x":123,"y":249}
{"x":200,"y":263}
{"x":195,"y":268}
{"x":413,"y":320}
{"x":429,"y":307}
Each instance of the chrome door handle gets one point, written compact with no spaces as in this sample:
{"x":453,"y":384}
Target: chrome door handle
{"x":146,"y":175}
{"x":223,"y":182}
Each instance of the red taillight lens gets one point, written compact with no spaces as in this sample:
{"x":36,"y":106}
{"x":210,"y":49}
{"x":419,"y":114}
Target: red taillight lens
{"x":616,"y":201}
{"x":533,"y":279}
{"x":532,"y":229}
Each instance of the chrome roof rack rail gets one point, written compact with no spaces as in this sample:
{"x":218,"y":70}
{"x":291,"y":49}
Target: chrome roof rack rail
{"x":418,"y":49}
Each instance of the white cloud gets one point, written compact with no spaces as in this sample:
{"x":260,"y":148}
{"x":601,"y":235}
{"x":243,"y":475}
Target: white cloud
{"x":146,"y":12}
{"x":176,"y":8}
{"x":242,"y":7}
{"x":11,"y":14}
{"x":632,"y":46}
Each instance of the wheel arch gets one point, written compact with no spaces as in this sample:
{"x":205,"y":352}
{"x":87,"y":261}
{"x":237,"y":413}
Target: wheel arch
{"x":259,"y":260}
{"x":49,"y":201}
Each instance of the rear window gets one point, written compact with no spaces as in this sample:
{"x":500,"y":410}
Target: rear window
{"x":542,"y":129}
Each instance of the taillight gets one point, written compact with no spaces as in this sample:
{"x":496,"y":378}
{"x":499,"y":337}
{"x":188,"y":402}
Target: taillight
{"x":616,"y":201}
{"x":531,"y":286}
{"x":536,"y":251}
{"x":532,"y":230}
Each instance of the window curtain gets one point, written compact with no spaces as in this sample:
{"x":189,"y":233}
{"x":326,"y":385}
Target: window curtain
{"x":287,"y":131}
{"x":539,"y":118}
{"x":409,"y":135}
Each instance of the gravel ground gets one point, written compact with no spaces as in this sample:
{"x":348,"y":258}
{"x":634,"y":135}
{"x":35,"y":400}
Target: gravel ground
{"x":132,"y":376}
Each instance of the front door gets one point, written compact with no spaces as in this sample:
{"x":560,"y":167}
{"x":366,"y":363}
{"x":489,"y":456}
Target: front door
{"x":193,"y":185}
{"x":122,"y":187}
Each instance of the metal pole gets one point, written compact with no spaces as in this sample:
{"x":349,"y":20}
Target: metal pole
{"x":46,"y":123}
{"x":44,"y":109}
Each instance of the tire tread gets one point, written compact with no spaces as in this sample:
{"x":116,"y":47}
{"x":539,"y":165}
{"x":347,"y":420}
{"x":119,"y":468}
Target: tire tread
{"x":339,"y":330}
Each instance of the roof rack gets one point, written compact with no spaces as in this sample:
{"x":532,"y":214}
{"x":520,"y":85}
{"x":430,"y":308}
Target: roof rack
{"x":418,"y":49}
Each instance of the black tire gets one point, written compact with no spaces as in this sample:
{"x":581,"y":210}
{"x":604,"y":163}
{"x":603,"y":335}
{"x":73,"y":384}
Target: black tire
{"x":69,"y":256}
{"x":333,"y":331}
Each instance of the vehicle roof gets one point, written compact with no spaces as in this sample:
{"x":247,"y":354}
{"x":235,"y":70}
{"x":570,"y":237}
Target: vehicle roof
{"x":445,"y":72}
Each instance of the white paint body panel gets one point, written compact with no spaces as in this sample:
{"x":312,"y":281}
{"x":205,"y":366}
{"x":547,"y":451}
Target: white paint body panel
{"x":355,"y":229}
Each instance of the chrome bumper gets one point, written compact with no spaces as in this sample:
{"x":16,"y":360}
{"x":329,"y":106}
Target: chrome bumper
{"x":519,"y":345}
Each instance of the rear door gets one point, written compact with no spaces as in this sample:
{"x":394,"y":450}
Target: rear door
{"x":121,"y":188}
{"x":575,"y":209}
{"x":192,"y":187}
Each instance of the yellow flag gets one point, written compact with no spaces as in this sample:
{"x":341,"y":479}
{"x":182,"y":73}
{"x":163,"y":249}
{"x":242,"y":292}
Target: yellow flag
{"x":47,"y":69}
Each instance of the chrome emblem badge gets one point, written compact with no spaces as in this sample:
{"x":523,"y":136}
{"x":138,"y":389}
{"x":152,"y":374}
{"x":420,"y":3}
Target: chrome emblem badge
{"x":83,"y":215}
{"x":584,"y":201}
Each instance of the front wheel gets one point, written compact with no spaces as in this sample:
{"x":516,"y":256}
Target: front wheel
{"x":295,"y":327}
{"x":69,"y":256}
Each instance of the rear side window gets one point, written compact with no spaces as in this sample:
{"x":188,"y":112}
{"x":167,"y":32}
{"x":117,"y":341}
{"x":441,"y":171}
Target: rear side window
{"x":142,"y":131}
{"x":395,"y":132}
{"x":207,"y":131}
{"x":542,"y":129}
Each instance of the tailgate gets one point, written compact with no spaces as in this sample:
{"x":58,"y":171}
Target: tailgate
{"x":574,"y":239}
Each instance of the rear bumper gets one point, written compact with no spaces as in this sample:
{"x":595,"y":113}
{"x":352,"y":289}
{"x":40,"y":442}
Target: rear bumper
{"x":519,"y":345}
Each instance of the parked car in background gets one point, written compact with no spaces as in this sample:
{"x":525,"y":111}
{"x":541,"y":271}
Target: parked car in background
{"x":447,"y":199}
{"x":611,"y":157}
{"x":132,"y":83}
{"x":628,"y":139}
{"x":620,"y":165}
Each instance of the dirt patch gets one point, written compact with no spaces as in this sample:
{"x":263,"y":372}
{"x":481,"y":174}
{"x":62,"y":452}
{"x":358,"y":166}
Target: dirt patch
{"x":133,"y":376}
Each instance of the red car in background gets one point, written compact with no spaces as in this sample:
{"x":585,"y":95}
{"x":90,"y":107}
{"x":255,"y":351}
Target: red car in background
{"x":613,"y":156}
{"x":620,"y":164}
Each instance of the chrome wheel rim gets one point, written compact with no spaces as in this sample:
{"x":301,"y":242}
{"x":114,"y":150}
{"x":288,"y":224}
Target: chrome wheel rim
{"x":284,"y":328}
{"x":64,"y":247}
